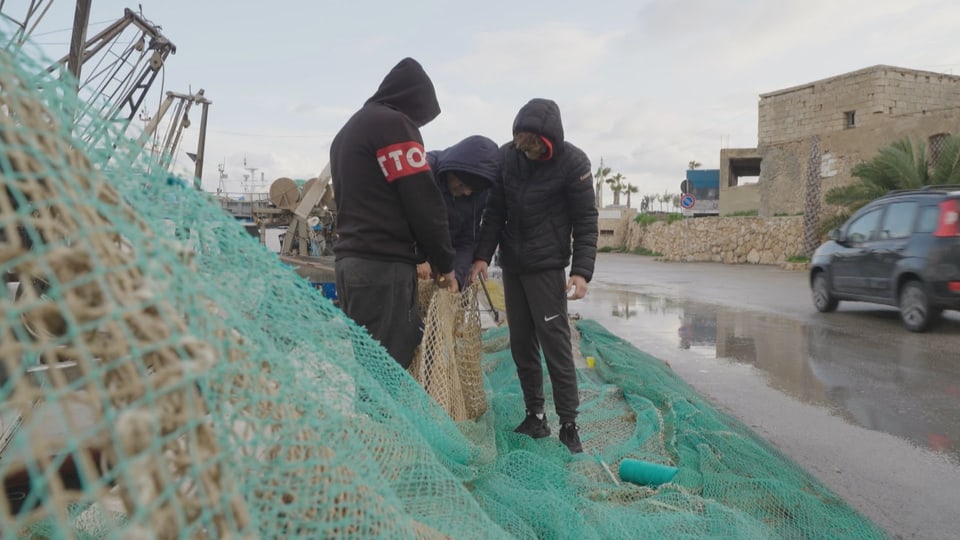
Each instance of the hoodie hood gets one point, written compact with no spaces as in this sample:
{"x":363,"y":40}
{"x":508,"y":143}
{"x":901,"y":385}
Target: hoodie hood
{"x":408,"y":89}
{"x":476,"y":155}
{"x":541,"y":116}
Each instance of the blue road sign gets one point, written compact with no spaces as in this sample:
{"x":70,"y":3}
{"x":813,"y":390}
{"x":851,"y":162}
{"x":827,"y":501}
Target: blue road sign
{"x":687,"y":201}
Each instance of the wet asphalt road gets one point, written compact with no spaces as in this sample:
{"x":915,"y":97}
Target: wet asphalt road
{"x":870,"y":409}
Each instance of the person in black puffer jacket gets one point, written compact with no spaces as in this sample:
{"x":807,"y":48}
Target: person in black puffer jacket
{"x":540,"y":212}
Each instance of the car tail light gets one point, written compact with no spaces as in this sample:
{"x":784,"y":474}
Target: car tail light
{"x":949,"y":215}
{"x":954,"y":286}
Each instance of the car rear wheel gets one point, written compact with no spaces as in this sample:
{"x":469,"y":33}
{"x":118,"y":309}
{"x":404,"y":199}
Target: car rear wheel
{"x":915,"y":310}
{"x":823,"y":300}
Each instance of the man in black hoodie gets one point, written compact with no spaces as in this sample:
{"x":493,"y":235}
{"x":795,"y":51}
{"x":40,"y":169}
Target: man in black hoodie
{"x":542,"y":204}
{"x":390,"y":214}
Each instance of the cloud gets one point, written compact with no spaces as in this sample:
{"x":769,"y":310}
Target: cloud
{"x":699,"y":67}
{"x":319,"y":110}
{"x":465,"y":114}
{"x":546,"y":54}
{"x":647,"y":85}
{"x":776,"y":41}
{"x":651,"y":140}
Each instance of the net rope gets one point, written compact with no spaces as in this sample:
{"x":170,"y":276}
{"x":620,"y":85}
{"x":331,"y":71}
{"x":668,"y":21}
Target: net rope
{"x":447,"y":363}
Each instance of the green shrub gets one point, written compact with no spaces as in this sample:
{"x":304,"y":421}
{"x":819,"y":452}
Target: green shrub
{"x":645,"y":219}
{"x":742,"y":213}
{"x":645,"y":251}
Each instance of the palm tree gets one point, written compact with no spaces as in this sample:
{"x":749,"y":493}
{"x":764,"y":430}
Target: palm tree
{"x":658,"y":198}
{"x":645,"y":203}
{"x":667,"y":199}
{"x":898,"y":166}
{"x":617,"y":186}
{"x":630,"y":188}
{"x":693,"y":164}
{"x":601,"y":177}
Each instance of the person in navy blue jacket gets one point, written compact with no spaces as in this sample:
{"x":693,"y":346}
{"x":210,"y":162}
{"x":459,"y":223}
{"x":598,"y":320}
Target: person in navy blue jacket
{"x":464,"y":173}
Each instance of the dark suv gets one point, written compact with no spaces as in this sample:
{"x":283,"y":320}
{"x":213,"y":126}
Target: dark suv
{"x":902,"y":249}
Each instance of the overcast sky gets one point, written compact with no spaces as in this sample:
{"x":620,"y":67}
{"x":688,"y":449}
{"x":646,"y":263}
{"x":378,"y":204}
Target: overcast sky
{"x":646,"y":85}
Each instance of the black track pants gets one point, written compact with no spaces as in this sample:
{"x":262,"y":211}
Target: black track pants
{"x":537,"y":317}
{"x":382,"y":297}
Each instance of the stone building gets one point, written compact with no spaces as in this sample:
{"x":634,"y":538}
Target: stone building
{"x":810,"y":136}
{"x":612,"y":224}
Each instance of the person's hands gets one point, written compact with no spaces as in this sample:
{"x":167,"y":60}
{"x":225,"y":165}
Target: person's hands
{"x":448,"y":281}
{"x":579,"y":286}
{"x":423,"y":270}
{"x":479,"y":268}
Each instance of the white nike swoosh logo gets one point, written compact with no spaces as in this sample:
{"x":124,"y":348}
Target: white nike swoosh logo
{"x":548,"y":319}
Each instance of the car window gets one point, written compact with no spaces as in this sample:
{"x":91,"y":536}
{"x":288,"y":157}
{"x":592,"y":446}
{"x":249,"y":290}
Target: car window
{"x":929,"y":219}
{"x":898,"y":221}
{"x":863,"y":228}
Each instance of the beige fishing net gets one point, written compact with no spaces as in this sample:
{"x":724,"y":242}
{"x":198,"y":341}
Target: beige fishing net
{"x":104,"y":338}
{"x":447,"y":363}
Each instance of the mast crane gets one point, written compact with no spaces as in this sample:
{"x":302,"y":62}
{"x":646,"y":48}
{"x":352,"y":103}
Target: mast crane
{"x":120,"y":80}
{"x":252,"y":176}
{"x":180,"y":120}
{"x":112,"y":73}
{"x":222,"y":185}
{"x":35,"y":12}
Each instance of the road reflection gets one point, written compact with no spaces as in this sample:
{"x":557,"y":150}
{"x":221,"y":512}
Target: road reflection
{"x":883,"y":384}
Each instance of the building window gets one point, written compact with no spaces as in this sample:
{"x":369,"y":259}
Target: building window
{"x":850,"y":119}
{"x":937,"y":143}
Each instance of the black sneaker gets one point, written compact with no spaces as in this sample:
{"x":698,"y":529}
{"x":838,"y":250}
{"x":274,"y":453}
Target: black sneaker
{"x":534,"y":425}
{"x":570,"y":436}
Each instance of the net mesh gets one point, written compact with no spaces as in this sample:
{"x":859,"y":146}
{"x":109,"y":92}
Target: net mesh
{"x":447,"y":362}
{"x":164,"y":376}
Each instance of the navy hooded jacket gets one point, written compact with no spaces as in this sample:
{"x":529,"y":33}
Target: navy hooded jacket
{"x":388,"y":205}
{"x":478,"y":156}
{"x":540,"y":212}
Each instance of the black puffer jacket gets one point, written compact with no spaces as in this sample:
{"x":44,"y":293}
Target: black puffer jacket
{"x":537,"y":206}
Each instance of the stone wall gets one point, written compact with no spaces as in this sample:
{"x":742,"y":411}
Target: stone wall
{"x":732,"y":240}
{"x":612,"y":223}
{"x":739,"y":199}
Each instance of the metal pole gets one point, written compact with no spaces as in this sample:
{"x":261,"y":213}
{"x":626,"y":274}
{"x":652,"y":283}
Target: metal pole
{"x":81,"y":18}
{"x":496,"y":314}
{"x":201,"y":143}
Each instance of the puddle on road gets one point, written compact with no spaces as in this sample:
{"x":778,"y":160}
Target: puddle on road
{"x":882,"y":385}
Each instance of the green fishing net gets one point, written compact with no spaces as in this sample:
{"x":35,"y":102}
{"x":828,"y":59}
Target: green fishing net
{"x":162,"y":375}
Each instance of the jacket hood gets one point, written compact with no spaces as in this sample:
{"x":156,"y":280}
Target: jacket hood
{"x":540,"y":116}
{"x":477,"y":155}
{"x":408,"y":89}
